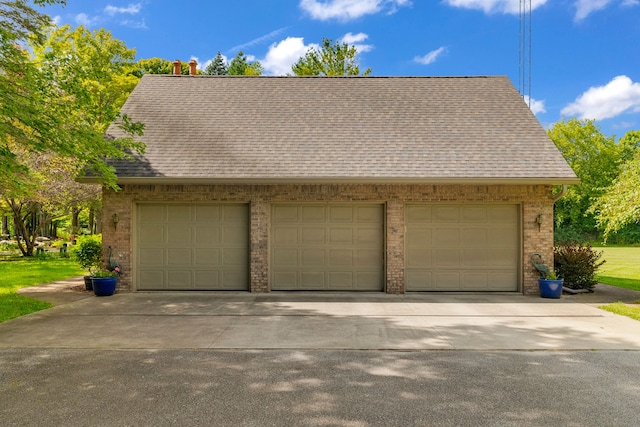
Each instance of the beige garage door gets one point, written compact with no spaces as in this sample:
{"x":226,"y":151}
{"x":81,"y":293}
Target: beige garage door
{"x":192,"y":247}
{"x":327,"y":247}
{"x":462,"y":247}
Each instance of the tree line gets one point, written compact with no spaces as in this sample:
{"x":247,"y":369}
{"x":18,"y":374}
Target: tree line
{"x":62,"y":87}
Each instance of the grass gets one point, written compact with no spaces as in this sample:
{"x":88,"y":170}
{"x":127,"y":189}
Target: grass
{"x":623,"y":309}
{"x":622,"y":268}
{"x":23,"y":272}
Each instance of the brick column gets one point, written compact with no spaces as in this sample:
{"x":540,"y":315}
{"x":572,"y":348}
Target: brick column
{"x":395,"y":247}
{"x":537,"y":239}
{"x":259,"y":246}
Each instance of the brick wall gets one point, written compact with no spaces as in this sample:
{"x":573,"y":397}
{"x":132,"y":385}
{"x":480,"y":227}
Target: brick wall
{"x":534,"y":200}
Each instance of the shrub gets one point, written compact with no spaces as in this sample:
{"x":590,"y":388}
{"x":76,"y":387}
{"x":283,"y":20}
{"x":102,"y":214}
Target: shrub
{"x":577,"y":264}
{"x":88,"y":252}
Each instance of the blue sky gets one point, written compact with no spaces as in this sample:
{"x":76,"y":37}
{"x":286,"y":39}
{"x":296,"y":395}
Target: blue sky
{"x":585,"y":53}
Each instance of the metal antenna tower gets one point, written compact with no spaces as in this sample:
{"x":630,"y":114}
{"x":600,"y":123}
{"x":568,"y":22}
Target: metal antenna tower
{"x":524,"y":51}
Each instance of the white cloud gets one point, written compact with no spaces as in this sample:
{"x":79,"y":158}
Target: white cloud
{"x":430,"y":57}
{"x":346,"y":10}
{"x":84,"y":19}
{"x":355,"y":40}
{"x":618,"y":96}
{"x":586,"y":7}
{"x":494,"y":6}
{"x":535,"y":105}
{"x":271,"y":35}
{"x":56,"y":20}
{"x":630,"y":3}
{"x":282,"y":55}
{"x":132,"y":9}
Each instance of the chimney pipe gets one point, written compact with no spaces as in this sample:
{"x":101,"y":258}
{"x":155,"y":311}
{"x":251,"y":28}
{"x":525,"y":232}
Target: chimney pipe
{"x":177,"y":69}
{"x":192,"y":67}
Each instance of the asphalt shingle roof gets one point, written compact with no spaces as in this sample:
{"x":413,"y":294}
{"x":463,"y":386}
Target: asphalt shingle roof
{"x":351,"y":129}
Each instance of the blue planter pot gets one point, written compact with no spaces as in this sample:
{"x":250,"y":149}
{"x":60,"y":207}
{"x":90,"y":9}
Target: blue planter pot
{"x":550,"y":288}
{"x":104,"y":286}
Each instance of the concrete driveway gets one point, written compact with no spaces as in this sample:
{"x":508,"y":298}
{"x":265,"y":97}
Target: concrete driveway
{"x":334,"y":360}
{"x":201,"y":320}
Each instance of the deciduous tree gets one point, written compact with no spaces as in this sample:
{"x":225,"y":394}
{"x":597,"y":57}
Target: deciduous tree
{"x":331,"y":59}
{"x":597,"y":160}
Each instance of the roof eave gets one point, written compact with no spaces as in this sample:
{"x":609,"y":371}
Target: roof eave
{"x":341,"y":180}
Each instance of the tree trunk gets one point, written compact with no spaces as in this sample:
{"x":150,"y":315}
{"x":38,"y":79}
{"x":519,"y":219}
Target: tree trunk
{"x":75,"y":212}
{"x":25,"y":244}
{"x":92,"y":219}
{"x":5,"y":227}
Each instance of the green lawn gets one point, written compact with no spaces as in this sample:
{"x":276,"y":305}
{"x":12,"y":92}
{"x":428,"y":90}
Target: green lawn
{"x":622,"y":267}
{"x":623,"y":310}
{"x":21,"y":273}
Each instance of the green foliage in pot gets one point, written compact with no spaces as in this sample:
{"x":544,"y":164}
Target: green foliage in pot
{"x":88,"y":252}
{"x":104,"y":274}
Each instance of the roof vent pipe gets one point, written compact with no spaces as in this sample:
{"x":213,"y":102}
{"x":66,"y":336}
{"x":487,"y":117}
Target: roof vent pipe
{"x":177,"y":68}
{"x":193,"y":64}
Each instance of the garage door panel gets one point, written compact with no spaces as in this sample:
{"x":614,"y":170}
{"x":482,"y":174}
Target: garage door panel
{"x":313,"y":280}
{"x":234,"y":257}
{"x":311,"y":214}
{"x":341,"y":236}
{"x":370,"y":214}
{"x":369,"y":236}
{"x":343,"y":280}
{"x":477,"y":237}
{"x":207,"y":214}
{"x":192,"y":246}
{"x":313,"y":257}
{"x":285,"y":214}
{"x":207,"y":257}
{"x":205,"y":236}
{"x":419,"y":279}
{"x":178,"y":256}
{"x":475,"y":258}
{"x":416,"y":236}
{"x":234,"y":213}
{"x":179,"y":279}
{"x":419,"y":257}
{"x":340,"y":213}
{"x":179,"y":236}
{"x":368,"y":258}
{"x":341,"y":257}
{"x":151,"y":257}
{"x":313,"y":236}
{"x":151,"y":236}
{"x":447,"y":257}
{"x":447,"y":280}
{"x":474,"y":247}
{"x":503,"y":214}
{"x":155,"y":277}
{"x":179,"y":213}
{"x":337,"y":243}
{"x":446,"y":237}
{"x":285,"y":257}
{"x":474,"y":214}
{"x":151,"y":213}
{"x":206,"y":279}
{"x":447,"y":214}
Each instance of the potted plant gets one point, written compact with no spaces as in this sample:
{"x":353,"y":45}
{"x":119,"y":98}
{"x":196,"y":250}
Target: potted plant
{"x":104,"y":282}
{"x":88,"y":253}
{"x":550,"y":285}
